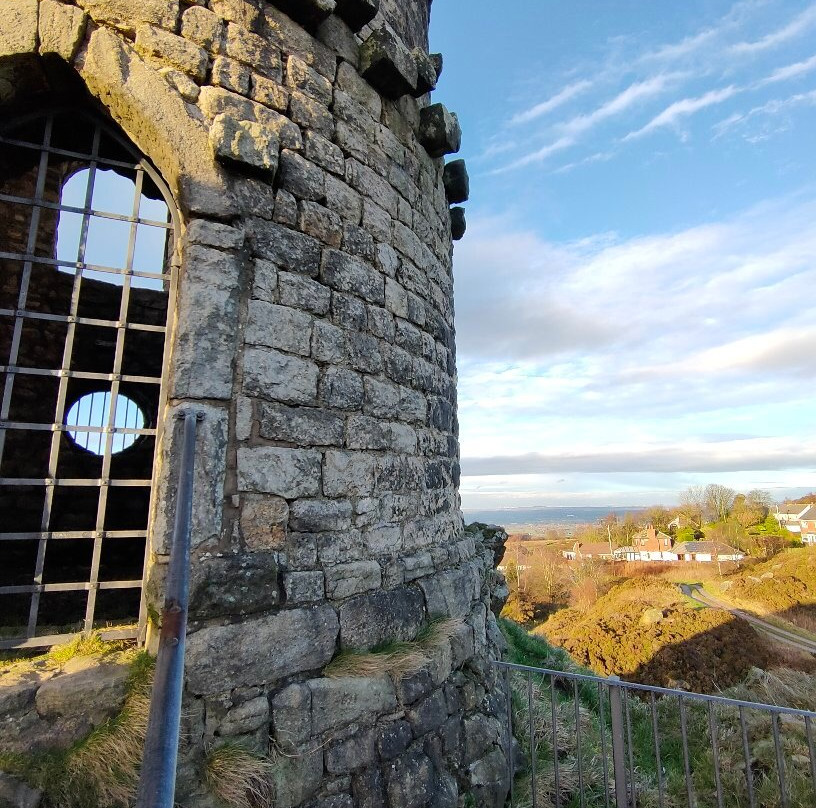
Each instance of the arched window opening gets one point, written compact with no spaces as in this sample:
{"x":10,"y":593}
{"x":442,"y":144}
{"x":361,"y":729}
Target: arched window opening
{"x":87,"y":230}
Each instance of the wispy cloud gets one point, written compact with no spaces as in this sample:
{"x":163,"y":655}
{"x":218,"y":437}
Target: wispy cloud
{"x":683,"y":109}
{"x":771,"y":108}
{"x":796,"y":27}
{"x":789,"y":72}
{"x":559,"y":99}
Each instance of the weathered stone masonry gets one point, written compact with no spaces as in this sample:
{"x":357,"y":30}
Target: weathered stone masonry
{"x":314,"y":328}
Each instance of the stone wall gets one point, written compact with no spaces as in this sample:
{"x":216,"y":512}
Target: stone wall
{"x":314,"y":330}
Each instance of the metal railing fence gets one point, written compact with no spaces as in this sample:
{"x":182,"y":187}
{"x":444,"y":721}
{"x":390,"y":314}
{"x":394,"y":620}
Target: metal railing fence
{"x":590,"y":742}
{"x":157,"y":781}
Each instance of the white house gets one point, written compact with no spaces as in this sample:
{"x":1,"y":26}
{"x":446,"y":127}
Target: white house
{"x":791,"y":516}
{"x":706,"y":551}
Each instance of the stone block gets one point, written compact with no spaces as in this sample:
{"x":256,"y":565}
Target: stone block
{"x":347,"y":580}
{"x":243,"y":12}
{"x":263,"y":522}
{"x":329,"y":343}
{"x":387,"y":64}
{"x":287,"y":473}
{"x":359,"y":242}
{"x":320,"y":515}
{"x":411,"y":689}
{"x":269,"y":92}
{"x":357,"y":13}
{"x":372,"y":185}
{"x":301,"y":77}
{"x":350,"y":755}
{"x":306,"y":426}
{"x":152,"y":41}
{"x":214,"y":234}
{"x":350,"y":82}
{"x":300,"y":177}
{"x":418,"y":566}
{"x":304,"y":587}
{"x":348,"y":474}
{"x":348,"y":274}
{"x":292,"y":715}
{"x":367,"y":789}
{"x":248,"y":717}
{"x":349,"y":312}
{"x":324,"y":153}
{"x":458,"y":223}
{"x":338,"y":548}
{"x":126,"y":15}
{"x":279,"y":327}
{"x":379,"y":617}
{"x":204,"y":27}
{"x":307,"y":12}
{"x":286,"y":248}
{"x":89,"y":690}
{"x":410,"y":782}
{"x":429,"y":714}
{"x":311,"y":114}
{"x":244,"y":144}
{"x":16,"y":794}
{"x":257,"y":652}
{"x":426,"y":72}
{"x":451,"y":593}
{"x":394,"y":739}
{"x":365,"y":352}
{"x":297,"y":776}
{"x":207,"y":324}
{"x":321,"y":223}
{"x":234,"y":585}
{"x":255,"y":51}
{"x":300,"y":292}
{"x":280,"y":377}
{"x":439,"y":131}
{"x":181,"y":83}
{"x":383,"y":539}
{"x":61,"y":29}
{"x":363,"y":432}
{"x":343,"y":199}
{"x":456,"y":181}
{"x":339,"y":702}
{"x":231,"y":74}
{"x":381,"y":398}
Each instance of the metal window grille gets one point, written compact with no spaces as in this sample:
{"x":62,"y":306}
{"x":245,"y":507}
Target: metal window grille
{"x":87,"y":232}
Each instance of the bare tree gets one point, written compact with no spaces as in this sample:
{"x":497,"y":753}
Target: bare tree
{"x":719,"y":499}
{"x":693,"y":504}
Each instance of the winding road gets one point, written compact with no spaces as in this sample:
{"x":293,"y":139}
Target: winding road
{"x":696,"y":593}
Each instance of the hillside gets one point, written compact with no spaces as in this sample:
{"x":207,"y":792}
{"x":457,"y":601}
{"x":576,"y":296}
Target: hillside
{"x":644,"y":630}
{"x":784,"y":586}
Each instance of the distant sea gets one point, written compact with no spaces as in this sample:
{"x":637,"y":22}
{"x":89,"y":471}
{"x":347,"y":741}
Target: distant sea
{"x":555,"y":515}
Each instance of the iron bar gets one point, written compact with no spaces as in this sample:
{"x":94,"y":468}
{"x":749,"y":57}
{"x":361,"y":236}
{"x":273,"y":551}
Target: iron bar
{"x":658,"y":761}
{"x":510,"y":750}
{"x":630,"y":746}
{"x":746,"y":752}
{"x":684,"y":740}
{"x":604,"y":757}
{"x":811,"y":753}
{"x":618,"y":743}
{"x":578,"y":741}
{"x":780,"y":761}
{"x":157,"y":782}
{"x":713,"y":733}
{"x":532,"y":737}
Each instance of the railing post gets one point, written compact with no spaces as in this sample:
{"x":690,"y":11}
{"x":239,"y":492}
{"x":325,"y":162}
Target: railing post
{"x":157,"y":782}
{"x":618,"y":742}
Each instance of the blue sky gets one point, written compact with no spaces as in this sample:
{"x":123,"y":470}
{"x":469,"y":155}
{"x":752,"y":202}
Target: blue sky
{"x":635,"y":291}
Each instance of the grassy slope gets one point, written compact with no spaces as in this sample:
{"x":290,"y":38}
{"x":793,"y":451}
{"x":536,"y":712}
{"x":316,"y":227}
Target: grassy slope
{"x":704,"y":648}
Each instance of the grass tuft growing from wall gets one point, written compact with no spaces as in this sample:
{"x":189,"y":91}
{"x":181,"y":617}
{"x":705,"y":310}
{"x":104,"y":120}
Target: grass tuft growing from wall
{"x":240,"y":778}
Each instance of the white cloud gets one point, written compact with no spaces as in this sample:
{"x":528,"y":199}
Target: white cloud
{"x":683,"y":109}
{"x":559,"y":99}
{"x":795,"y":28}
{"x":771,"y":108}
{"x":790,"y":72}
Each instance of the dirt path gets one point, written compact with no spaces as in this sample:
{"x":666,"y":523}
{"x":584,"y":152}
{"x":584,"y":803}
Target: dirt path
{"x":695,"y":592}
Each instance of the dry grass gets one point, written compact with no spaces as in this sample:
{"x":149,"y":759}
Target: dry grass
{"x":239,"y":778}
{"x":398,"y":659}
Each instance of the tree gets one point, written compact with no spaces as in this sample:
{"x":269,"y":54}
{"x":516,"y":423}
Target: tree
{"x":658,"y":516}
{"x":748,"y":512}
{"x":693,"y":504}
{"x":719,"y":500}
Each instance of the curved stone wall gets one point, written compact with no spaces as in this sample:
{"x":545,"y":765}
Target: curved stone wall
{"x":314,"y":329}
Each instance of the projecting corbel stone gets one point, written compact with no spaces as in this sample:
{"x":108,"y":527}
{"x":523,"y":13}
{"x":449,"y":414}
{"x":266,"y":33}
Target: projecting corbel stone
{"x":439,"y":131}
{"x":457,"y":182}
{"x":438,"y":63}
{"x":357,"y":13}
{"x":244,"y":143}
{"x":458,"y":223}
{"x":426,"y":73}
{"x":307,"y":12}
{"x":387,"y":64}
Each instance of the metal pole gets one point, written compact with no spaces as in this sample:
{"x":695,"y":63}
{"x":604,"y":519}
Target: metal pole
{"x":618,"y":742}
{"x":157,"y":782}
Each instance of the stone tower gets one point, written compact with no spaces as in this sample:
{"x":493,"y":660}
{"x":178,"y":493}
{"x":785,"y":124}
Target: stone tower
{"x":308,"y":314}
